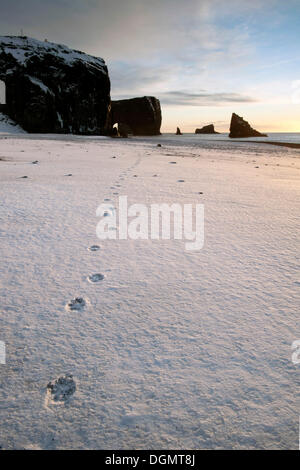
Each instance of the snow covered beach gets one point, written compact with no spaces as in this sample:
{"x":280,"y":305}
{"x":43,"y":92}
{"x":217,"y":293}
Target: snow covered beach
{"x":173,"y":349}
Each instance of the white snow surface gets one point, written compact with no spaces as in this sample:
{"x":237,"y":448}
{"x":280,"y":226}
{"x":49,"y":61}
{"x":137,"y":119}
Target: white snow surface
{"x":22,"y":48}
{"x":173,"y":349}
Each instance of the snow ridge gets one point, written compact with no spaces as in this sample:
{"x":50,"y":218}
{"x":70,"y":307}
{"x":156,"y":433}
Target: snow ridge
{"x":23,"y":48}
{"x":8,"y":126}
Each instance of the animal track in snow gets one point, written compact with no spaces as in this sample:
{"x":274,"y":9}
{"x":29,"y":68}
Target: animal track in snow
{"x":77,"y":304}
{"x":94,"y":248}
{"x":60,"y":390}
{"x":95,"y":278}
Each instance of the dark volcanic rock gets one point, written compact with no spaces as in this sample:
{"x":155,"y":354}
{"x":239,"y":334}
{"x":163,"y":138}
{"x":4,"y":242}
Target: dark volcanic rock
{"x":124,"y":130}
{"x":114,"y":132}
{"x":51,"y":88}
{"x":210,"y":129}
{"x":141,"y":115}
{"x":178,"y":131}
{"x":241,"y":128}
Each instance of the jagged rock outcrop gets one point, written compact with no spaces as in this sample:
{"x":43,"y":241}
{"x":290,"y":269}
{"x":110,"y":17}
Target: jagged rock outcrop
{"x":210,"y":129}
{"x":141,"y":115}
{"x":178,"y":131}
{"x":240,"y":128}
{"x":53,"y":89}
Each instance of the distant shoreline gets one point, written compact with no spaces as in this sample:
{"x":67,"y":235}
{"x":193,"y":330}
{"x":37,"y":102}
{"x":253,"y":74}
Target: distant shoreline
{"x":51,"y":136}
{"x":280,"y":144}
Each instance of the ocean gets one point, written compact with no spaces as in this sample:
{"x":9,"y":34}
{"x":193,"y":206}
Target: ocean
{"x":223,"y":142}
{"x":289,"y":137}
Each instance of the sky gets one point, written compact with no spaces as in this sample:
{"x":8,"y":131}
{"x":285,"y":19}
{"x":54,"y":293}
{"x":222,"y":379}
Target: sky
{"x":203,"y":59}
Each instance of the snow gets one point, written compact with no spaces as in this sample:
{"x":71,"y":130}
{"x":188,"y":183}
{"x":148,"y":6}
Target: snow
{"x":40,"y":84}
{"x":150,"y":102}
{"x":172,"y":349}
{"x":60,"y":119}
{"x":23,"y":48}
{"x":8,"y":126}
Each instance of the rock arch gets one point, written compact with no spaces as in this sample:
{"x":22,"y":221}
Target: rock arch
{"x":141,"y":115}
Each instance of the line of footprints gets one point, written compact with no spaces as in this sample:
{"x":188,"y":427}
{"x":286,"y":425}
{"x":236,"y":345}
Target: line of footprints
{"x":60,"y":390}
{"x":78,"y":304}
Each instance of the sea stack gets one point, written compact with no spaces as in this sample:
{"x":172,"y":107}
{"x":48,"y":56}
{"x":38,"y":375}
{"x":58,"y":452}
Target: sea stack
{"x":141,"y":115}
{"x":53,"y":89}
{"x":178,"y":131}
{"x":240,"y":128}
{"x":210,"y":129}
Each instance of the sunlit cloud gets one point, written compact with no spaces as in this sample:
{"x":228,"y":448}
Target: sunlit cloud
{"x":203,"y":99}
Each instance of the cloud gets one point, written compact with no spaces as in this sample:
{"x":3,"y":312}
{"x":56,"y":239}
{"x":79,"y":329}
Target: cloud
{"x":162,"y":81}
{"x":132,"y":28}
{"x":203,"y":99}
{"x":194,"y":53}
{"x":141,"y":77}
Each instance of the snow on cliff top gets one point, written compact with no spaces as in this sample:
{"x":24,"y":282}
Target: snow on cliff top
{"x":23,"y":48}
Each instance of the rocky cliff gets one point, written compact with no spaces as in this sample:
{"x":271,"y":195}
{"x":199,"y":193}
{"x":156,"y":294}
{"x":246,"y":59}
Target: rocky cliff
{"x":240,"y":128}
{"x":210,"y":129}
{"x":51,"y":88}
{"x":141,"y":115}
